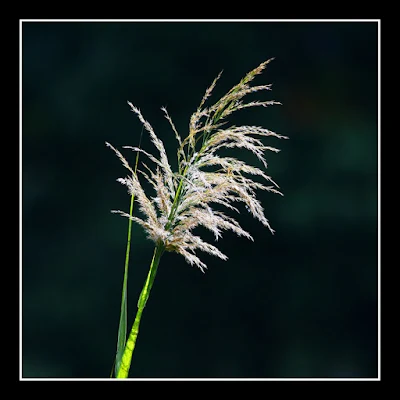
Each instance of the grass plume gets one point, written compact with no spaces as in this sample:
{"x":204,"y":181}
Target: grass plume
{"x":184,"y":199}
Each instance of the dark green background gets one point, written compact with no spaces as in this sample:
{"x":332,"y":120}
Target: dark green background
{"x":300,"y":303}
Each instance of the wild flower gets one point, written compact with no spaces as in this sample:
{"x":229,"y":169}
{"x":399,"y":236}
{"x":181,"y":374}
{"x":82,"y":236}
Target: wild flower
{"x":184,"y":199}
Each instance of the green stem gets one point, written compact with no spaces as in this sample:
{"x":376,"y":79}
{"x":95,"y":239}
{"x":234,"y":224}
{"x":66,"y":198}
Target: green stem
{"x":144,"y":295}
{"x":128,"y":247}
{"x":123,"y":321}
{"x":123,"y":315}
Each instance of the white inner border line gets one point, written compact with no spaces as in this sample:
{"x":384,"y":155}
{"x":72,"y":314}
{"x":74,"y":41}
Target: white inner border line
{"x":200,"y":20}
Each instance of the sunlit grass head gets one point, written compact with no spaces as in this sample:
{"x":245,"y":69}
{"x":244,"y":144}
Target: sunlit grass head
{"x":192,"y":196}
{"x":184,"y":199}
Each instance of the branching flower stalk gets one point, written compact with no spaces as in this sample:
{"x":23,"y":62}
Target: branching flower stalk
{"x":183,"y":199}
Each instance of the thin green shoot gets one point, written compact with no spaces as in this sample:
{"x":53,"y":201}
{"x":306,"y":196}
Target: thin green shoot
{"x":123,"y":322}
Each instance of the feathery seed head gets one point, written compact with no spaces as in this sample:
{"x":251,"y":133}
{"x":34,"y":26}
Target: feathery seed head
{"x":183,"y":200}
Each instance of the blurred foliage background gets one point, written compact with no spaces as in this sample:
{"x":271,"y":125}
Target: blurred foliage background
{"x":300,"y":303}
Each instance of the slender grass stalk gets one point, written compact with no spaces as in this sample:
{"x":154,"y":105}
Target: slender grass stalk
{"x":123,"y":319}
{"x":144,"y":295}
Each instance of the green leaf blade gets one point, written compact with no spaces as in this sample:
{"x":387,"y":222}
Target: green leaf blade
{"x":122,"y":329}
{"x":123,"y":319}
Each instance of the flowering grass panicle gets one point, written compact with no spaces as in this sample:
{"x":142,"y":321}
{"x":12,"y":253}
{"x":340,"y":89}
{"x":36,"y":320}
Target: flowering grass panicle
{"x":183,"y":199}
